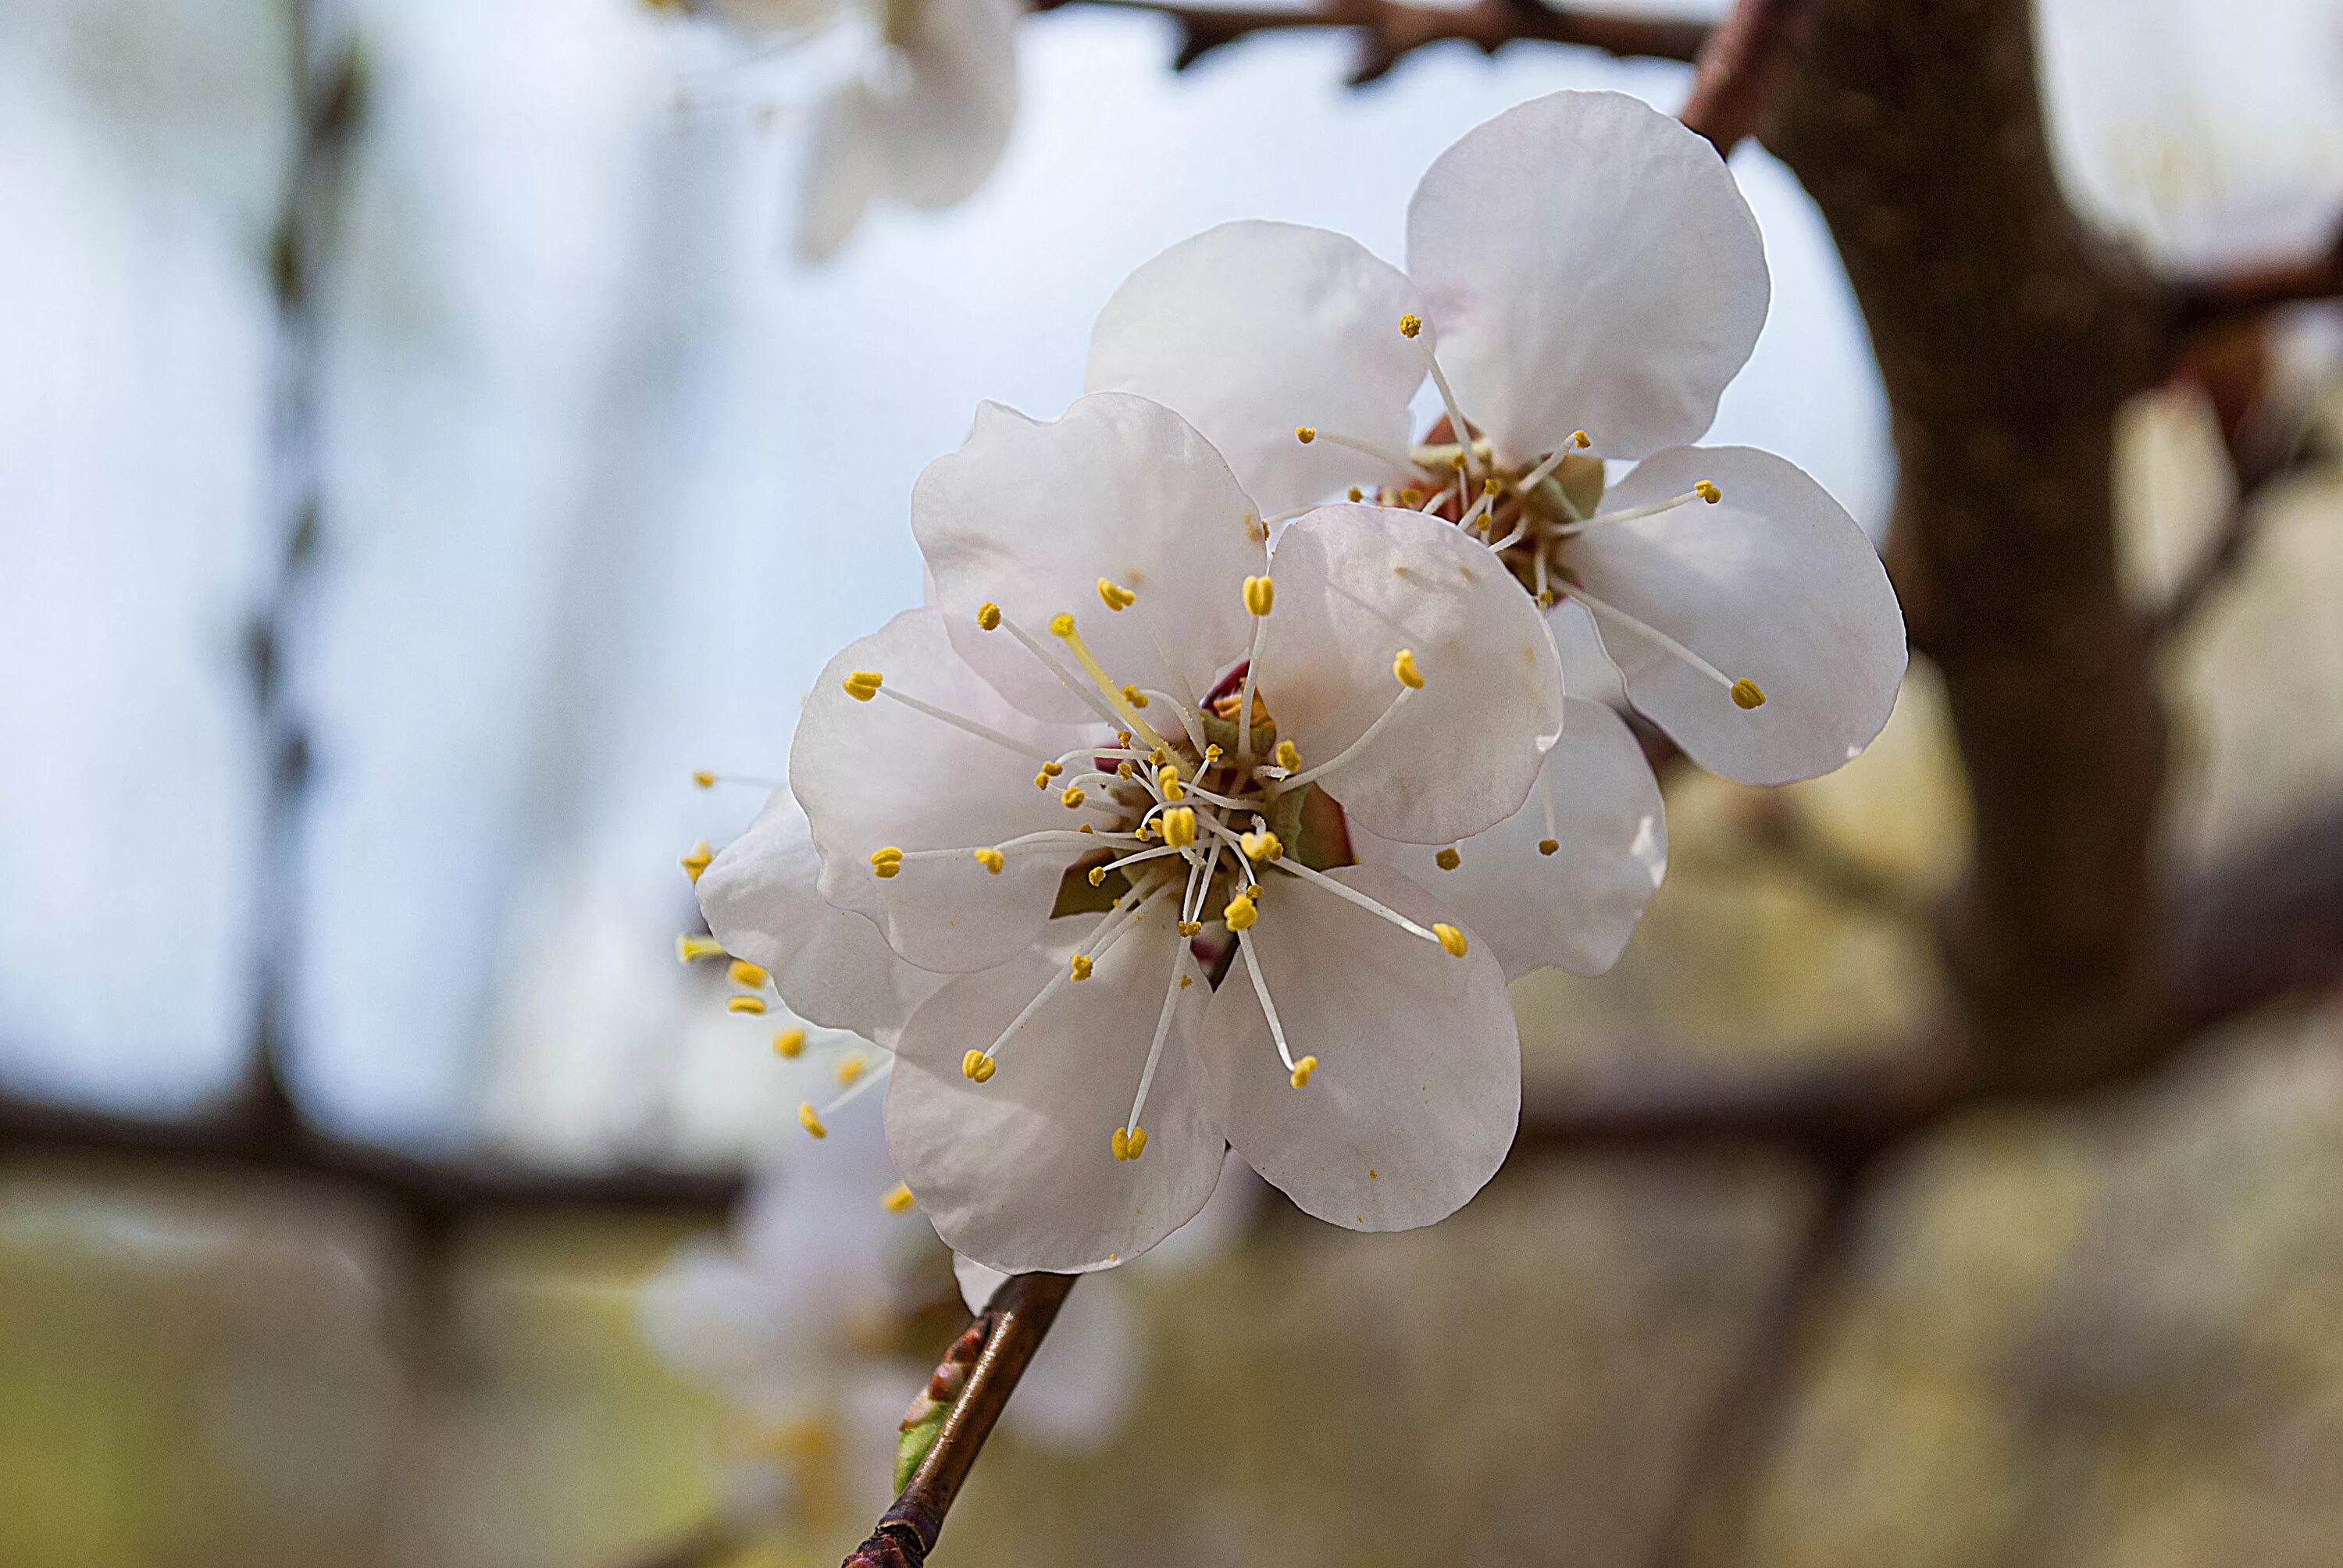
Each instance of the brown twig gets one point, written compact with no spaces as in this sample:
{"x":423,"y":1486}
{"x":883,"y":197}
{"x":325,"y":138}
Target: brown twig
{"x":1744,"y":68}
{"x":1014,"y":1322}
{"x":2214,"y":300}
{"x":1390,"y":30}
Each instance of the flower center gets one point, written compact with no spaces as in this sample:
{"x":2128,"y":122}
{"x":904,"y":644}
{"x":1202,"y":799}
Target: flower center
{"x":1192,"y":806}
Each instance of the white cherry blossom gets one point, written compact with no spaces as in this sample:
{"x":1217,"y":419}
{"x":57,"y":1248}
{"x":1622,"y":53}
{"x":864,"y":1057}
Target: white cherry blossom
{"x":1583,"y":278}
{"x":1105,"y":781}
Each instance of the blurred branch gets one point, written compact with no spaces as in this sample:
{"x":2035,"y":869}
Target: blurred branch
{"x":2217,"y":299}
{"x":434,"y":1194}
{"x":1390,"y":30}
{"x":1014,"y":1322}
{"x":1744,"y":69}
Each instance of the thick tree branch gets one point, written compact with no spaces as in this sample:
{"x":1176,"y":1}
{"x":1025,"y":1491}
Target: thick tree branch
{"x":1745,"y":67}
{"x":1390,"y":30}
{"x":1014,"y":1322}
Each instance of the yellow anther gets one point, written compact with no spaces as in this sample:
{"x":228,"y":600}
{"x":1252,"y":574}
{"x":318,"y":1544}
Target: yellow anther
{"x":744,"y":1004}
{"x":1303,"y":1070}
{"x":985,"y":1068}
{"x":1456,"y":461}
{"x":1114,"y":595}
{"x":809,"y":1121}
{"x":1447,"y":859}
{"x":1212,"y":753}
{"x":1082,"y":966}
{"x":1404,"y":667}
{"x":1157,"y":756}
{"x":697,"y":861}
{"x":1123,"y":737}
{"x":863,"y":685}
{"x":1187,"y":981}
{"x":1581,"y":439}
{"x":1123,"y":769}
{"x":1062,"y":624}
{"x":886,"y":862}
{"x":1412,"y":496}
{"x":1289,"y":756}
{"x":1357,"y":494}
{"x":1145,"y":832}
{"x":689,"y":949}
{"x":967,"y":1060}
{"x":1259,"y":593}
{"x":1179,"y":827}
{"x":1133,"y":695}
{"x":1252,"y":891}
{"x":789,"y":1044}
{"x":745,"y":973}
{"x":1451,"y":940}
{"x":1190,"y":927}
{"x":1409,"y":325}
{"x":977,"y":1067}
{"x":1052,"y":769}
{"x":1121,"y":1143}
{"x":1262,"y":845}
{"x":987,"y":615}
{"x":1082,"y":828}
{"x":1098,"y":876}
{"x":1304,"y":434}
{"x":1548,"y":845}
{"x":991,"y":860}
{"x":1241,"y":914}
{"x":1071,"y":796}
{"x":896,"y":1199}
{"x":1707,"y":492}
{"x":704,"y":779}
{"x":851,"y":1068}
{"x":1490,"y":485}
{"x":1138,"y":1141}
{"x":1747,"y":693}
{"x":1129,"y":1143}
{"x":1167,"y":780}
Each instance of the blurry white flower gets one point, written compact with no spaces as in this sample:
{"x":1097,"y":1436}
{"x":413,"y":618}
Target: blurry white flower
{"x":1180,"y":761}
{"x":815,"y":1319}
{"x":1593,"y":279}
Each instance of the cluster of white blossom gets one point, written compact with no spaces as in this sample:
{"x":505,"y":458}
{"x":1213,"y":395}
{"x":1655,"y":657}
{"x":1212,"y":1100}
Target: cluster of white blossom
{"x":1227,"y":774}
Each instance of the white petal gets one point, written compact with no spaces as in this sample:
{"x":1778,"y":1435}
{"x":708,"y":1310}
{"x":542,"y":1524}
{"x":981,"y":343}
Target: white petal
{"x":1031,"y":514}
{"x":1775,"y":584}
{"x":944,"y":129}
{"x":1418,"y":1086}
{"x":845,"y":165}
{"x":1576,"y":907}
{"x":1253,"y":329}
{"x":1018,"y":1172}
{"x":874,"y":775}
{"x":1587,"y":263}
{"x":762,"y":898}
{"x":1355,"y":586}
{"x":976,"y":1282}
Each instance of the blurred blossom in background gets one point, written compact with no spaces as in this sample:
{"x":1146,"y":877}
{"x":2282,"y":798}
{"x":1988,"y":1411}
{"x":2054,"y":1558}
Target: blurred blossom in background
{"x":352,"y":678}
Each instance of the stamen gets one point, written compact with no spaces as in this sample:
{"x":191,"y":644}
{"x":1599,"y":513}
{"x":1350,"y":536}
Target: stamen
{"x":966,"y":726}
{"x":743,"y":973}
{"x":1747,"y":693}
{"x":1398,"y":462}
{"x":1448,"y":859}
{"x":744,"y":1004}
{"x":1134,"y":1136}
{"x":689,"y":949}
{"x":987,"y":615}
{"x":1262,"y":845}
{"x":1115,"y":596}
{"x":991,"y":861}
{"x":707,"y":781}
{"x":1404,"y":671}
{"x":862,"y":1083}
{"x":1064,"y":628}
{"x":862,"y":685}
{"x":1366,"y":738}
{"x":1304,"y":434}
{"x":1260,"y":594}
{"x":1167,"y":781}
{"x":1289,"y":756}
{"x":1268,"y":1007}
{"x":1667,"y":644}
{"x":850,"y":1068}
{"x":789,"y":1044}
{"x":697,"y":860}
{"x":810,"y":1120}
{"x":1179,"y":827}
{"x":1447,"y":394}
{"x":1108,"y":931}
{"x":897,"y":1200}
{"x":1080,"y":688}
{"x":1703,"y":491}
{"x":1241,"y":914}
{"x":1302,"y":1072}
{"x":1449,"y":938}
{"x":887,"y":862}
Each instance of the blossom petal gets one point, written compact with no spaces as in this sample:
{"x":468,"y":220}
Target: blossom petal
{"x":1018,"y":1172}
{"x":1031,"y":514}
{"x":1576,"y":907}
{"x":1587,"y":262}
{"x":762,"y":898}
{"x":1775,"y":583}
{"x":1418,"y":1085}
{"x":845,"y":166}
{"x":1253,"y":330}
{"x":943,"y":130}
{"x":1355,"y":586}
{"x":877,"y":774}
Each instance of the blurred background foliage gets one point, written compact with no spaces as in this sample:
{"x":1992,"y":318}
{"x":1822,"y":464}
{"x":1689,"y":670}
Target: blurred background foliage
{"x":603,"y":479}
